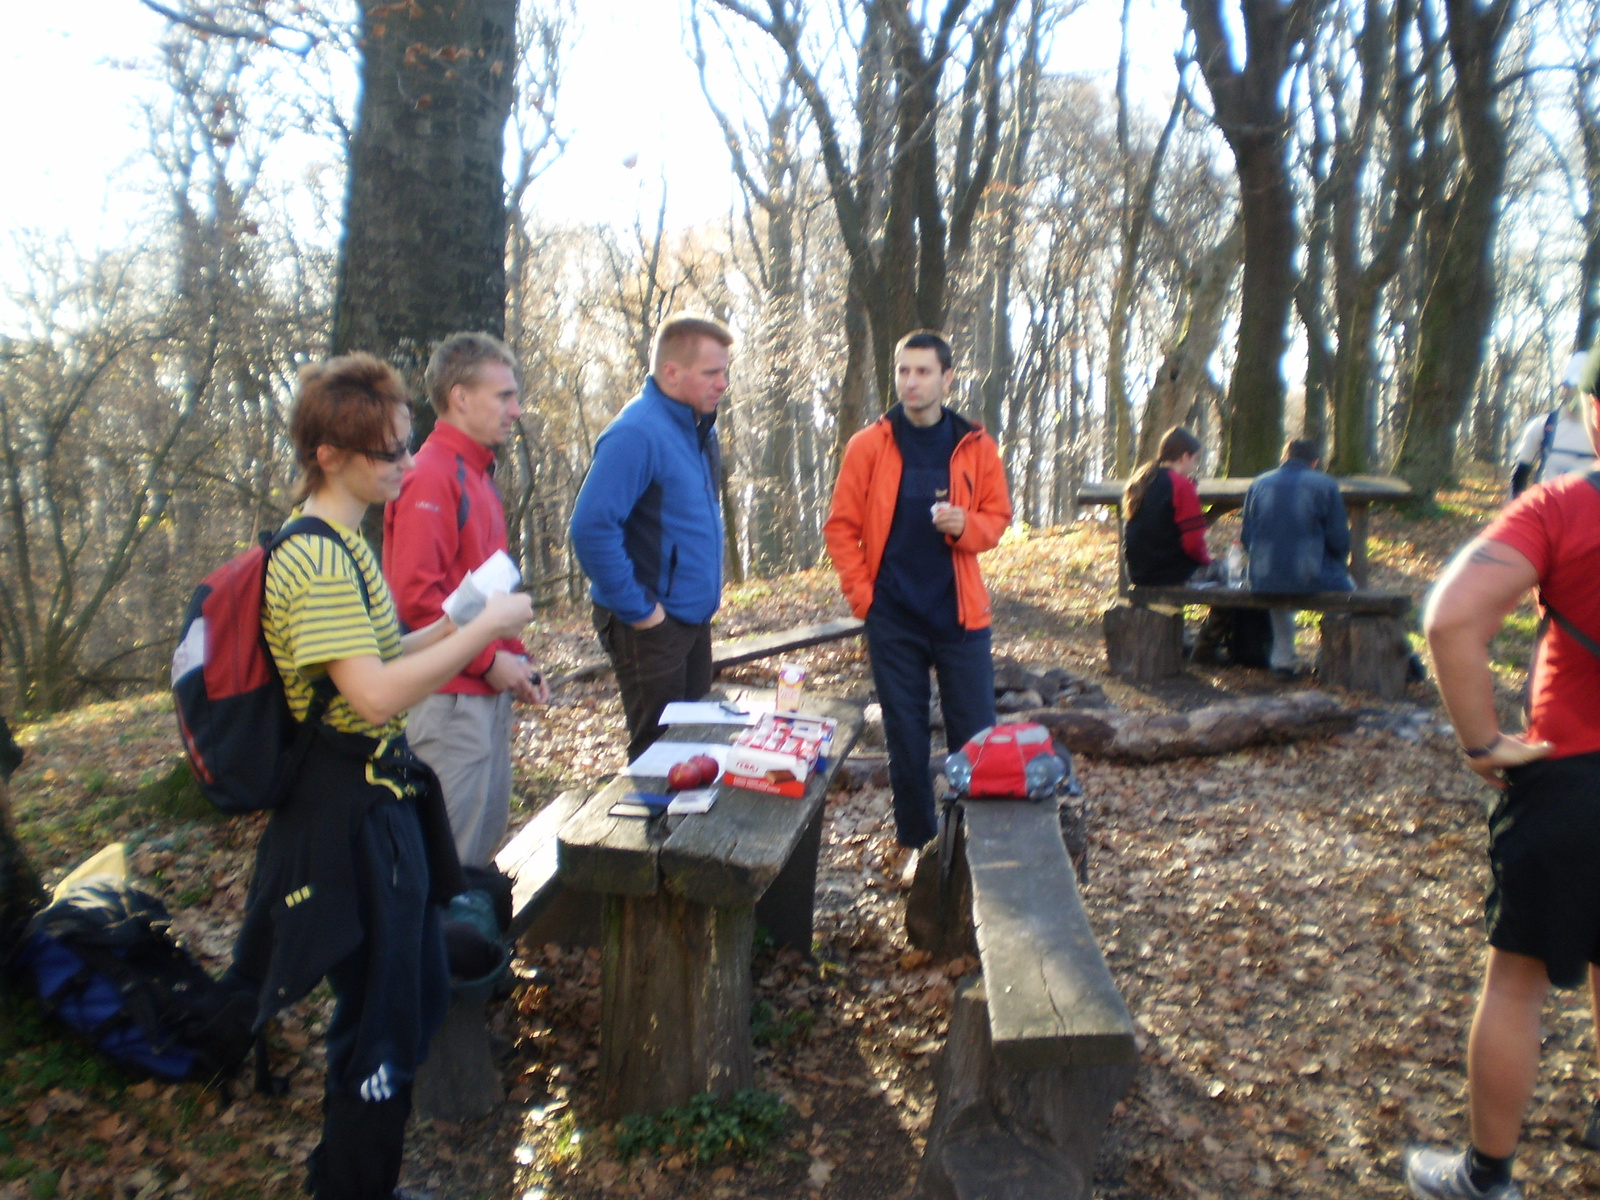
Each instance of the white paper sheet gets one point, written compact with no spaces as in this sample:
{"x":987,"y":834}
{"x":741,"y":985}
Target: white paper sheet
{"x":660,"y":758}
{"x":497,"y":573}
{"x":704,"y":712}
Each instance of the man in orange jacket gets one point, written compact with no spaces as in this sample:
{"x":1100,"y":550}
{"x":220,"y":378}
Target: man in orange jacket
{"x":920,"y":495}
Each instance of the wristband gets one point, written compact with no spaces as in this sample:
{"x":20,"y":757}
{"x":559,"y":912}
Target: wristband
{"x":1482,"y":751}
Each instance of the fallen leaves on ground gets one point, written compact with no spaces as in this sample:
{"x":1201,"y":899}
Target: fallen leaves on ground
{"x":1296,"y":930}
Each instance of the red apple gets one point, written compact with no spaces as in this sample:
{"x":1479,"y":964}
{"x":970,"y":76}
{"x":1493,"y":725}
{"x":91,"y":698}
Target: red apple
{"x":683,"y":776}
{"x":708,"y":768}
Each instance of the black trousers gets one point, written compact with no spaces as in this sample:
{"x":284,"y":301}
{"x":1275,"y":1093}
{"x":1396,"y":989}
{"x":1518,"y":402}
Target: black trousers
{"x":655,"y":666}
{"x":903,"y":650}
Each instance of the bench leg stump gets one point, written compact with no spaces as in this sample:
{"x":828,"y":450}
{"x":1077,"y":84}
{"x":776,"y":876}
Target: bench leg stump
{"x":675,"y":1002}
{"x":939,"y":904}
{"x":786,"y":910}
{"x":1009,"y":1133}
{"x":459,"y":1081}
{"x":1143,"y":645}
{"x":1364,"y":653}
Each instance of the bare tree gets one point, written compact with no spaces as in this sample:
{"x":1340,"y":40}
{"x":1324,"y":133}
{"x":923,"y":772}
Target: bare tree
{"x":1249,"y":109}
{"x":1365,"y":199}
{"x":1459,"y":220}
{"x":905,"y":210}
{"x":1579,"y":23}
{"x":1137,"y":210}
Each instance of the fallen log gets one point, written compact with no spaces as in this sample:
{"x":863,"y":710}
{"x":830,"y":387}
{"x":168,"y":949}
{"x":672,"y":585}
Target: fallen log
{"x":1158,"y":737}
{"x":1215,"y":729}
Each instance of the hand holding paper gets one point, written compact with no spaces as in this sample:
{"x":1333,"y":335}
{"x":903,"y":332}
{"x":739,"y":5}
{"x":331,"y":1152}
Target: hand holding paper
{"x":497,"y":574}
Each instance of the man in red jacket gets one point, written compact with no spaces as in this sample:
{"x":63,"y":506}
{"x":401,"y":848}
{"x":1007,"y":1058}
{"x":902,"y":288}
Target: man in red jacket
{"x":447,"y":521}
{"x":920,"y":494}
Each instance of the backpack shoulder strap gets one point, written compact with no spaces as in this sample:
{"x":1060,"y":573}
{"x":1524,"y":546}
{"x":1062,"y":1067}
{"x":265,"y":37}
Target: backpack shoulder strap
{"x":317,"y":527}
{"x":323,"y":690}
{"x":1551,"y":615}
{"x":1546,"y":443}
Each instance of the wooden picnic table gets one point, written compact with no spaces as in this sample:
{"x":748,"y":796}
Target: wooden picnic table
{"x":679,"y":899}
{"x":1221,"y":495}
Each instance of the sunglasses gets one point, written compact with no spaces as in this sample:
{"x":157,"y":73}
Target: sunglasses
{"x":393,"y":455}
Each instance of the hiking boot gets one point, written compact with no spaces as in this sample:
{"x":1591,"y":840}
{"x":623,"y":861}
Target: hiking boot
{"x":1444,"y":1175}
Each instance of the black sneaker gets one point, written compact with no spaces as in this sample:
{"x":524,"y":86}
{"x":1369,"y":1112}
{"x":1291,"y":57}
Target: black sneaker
{"x":1444,"y":1175}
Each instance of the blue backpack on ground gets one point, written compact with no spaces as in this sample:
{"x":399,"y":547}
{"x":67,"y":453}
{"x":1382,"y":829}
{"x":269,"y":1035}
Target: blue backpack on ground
{"x":101,"y":961}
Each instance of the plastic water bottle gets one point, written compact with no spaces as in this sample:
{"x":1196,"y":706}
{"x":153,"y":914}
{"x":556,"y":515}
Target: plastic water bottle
{"x":1234,"y":565}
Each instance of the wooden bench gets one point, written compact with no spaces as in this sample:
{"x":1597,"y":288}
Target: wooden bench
{"x":1041,"y":1045}
{"x":542,"y":910}
{"x":680,"y":900}
{"x":735,"y":652}
{"x":460,"y":1080}
{"x":1359,"y":493}
{"x":1364,"y":642}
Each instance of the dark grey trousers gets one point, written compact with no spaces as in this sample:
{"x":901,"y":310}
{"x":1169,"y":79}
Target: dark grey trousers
{"x":670,"y":661}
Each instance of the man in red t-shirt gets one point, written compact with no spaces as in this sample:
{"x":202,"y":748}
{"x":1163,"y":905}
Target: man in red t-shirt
{"x":1543,"y":909}
{"x":447,"y":521}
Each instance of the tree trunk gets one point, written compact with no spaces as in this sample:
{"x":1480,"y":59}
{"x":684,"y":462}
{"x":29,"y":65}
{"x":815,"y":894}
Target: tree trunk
{"x":1254,"y":422}
{"x":1136,"y":211}
{"x":1249,"y":106}
{"x":1586,"y":105}
{"x":423,"y":254}
{"x":1215,"y":729}
{"x":1457,"y":250}
{"x":1197,"y":327}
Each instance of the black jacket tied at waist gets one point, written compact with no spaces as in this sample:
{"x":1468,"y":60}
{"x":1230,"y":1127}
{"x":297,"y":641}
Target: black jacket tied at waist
{"x":303,"y":913}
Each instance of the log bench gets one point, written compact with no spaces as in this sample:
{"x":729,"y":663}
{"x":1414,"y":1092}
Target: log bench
{"x":1364,"y":643}
{"x":734,"y":652}
{"x":1041,"y":1045}
{"x":680,"y":898}
{"x":460,"y":1080}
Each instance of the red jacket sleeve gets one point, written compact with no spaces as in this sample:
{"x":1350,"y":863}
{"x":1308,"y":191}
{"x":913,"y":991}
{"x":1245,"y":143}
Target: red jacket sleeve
{"x":420,"y":546}
{"x":1190,"y":520}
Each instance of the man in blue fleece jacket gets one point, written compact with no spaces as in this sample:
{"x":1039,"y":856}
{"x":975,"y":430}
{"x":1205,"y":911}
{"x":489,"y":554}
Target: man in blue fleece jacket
{"x":647,"y":526}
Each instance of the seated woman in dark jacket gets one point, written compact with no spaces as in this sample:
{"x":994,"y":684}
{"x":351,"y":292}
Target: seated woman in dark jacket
{"x":1164,"y":531}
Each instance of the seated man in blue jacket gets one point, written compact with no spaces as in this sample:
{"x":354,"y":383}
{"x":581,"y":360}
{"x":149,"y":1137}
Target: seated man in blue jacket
{"x":1298,"y":537}
{"x":647,"y":526}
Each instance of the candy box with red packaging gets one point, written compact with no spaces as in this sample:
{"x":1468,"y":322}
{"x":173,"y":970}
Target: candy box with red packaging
{"x":778,"y":754}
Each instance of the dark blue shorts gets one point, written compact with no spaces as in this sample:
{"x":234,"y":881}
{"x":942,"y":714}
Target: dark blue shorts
{"x":1544,"y":850}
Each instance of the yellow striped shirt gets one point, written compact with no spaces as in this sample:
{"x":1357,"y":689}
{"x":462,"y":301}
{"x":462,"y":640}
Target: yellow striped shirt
{"x":313,"y":615}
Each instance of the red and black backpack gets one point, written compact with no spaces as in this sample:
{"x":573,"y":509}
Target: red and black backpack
{"x":1014,"y":761}
{"x":243,"y":742}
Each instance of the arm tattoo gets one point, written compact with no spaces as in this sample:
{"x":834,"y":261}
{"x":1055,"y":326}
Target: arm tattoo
{"x":1483,"y":555}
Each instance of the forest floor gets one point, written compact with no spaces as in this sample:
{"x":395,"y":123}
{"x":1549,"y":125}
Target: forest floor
{"x":1296,"y":930}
